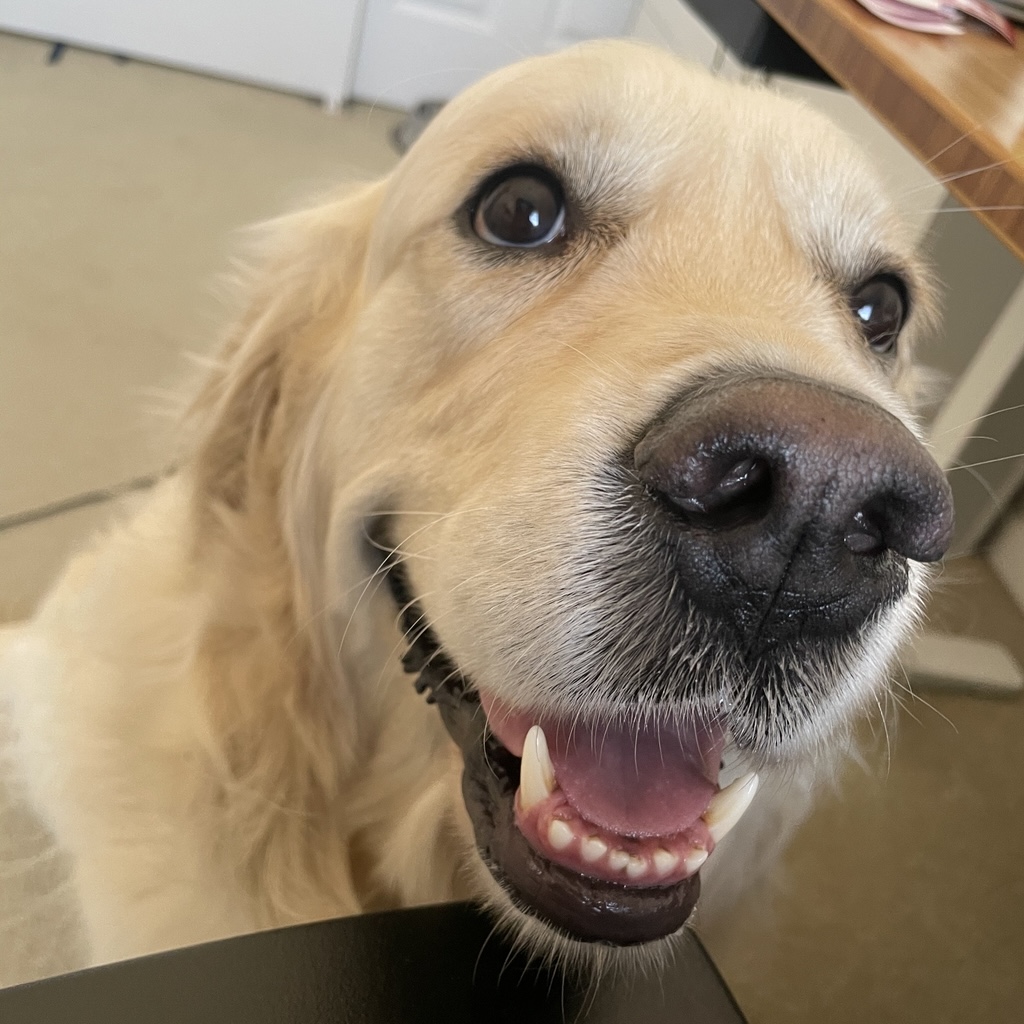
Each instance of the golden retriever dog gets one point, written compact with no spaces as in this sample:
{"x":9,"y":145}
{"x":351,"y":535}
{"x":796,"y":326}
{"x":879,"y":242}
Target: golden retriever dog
{"x":537,"y":481}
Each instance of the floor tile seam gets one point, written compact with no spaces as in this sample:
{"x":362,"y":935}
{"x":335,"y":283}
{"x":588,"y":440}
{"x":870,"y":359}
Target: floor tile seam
{"x":83,"y":499}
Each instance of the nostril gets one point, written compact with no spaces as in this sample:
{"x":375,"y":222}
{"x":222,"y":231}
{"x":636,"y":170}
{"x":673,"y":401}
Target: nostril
{"x":864,"y":534}
{"x":740,"y":495}
{"x":913,"y":518}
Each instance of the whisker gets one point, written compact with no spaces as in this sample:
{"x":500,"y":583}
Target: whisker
{"x":978,"y":209}
{"x":908,"y":687}
{"x":510,"y":560}
{"x":381,"y":573}
{"x":982,"y":483}
{"x":978,"y":419}
{"x":980,"y":437}
{"x":888,"y":741}
{"x":987,"y":462}
{"x":979,"y":126}
{"x":946,"y":179}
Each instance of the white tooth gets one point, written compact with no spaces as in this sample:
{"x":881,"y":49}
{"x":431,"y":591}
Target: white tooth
{"x":727,"y":807}
{"x":694,"y":860}
{"x":559,"y":834}
{"x":636,"y":867}
{"x":593,"y":849}
{"x":536,"y":773}
{"x":665,"y":861}
{"x":618,"y":859}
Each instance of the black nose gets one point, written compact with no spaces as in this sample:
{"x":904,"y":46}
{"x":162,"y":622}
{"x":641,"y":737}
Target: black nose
{"x":792,"y":508}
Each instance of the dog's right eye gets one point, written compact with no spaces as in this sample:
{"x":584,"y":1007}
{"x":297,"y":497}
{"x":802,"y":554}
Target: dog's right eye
{"x":520,"y":208}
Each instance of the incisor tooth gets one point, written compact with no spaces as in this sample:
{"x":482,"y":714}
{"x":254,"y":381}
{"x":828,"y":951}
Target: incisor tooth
{"x":727,"y":807}
{"x":694,"y":860}
{"x":593,"y":849}
{"x":536,"y":773}
{"x":618,"y":860}
{"x":559,"y":834}
{"x":636,"y":867}
{"x":664,"y":861}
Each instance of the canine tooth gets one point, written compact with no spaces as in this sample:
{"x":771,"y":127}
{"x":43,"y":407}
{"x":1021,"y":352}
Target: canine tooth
{"x":559,"y":834}
{"x":536,"y":773}
{"x":694,"y":860}
{"x":636,"y":867}
{"x":593,"y":849}
{"x":727,"y":807}
{"x":665,"y":861}
{"x":618,"y":860}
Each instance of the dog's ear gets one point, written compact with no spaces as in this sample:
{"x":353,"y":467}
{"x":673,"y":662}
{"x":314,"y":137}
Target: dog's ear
{"x":270,"y":681}
{"x":305,"y":287}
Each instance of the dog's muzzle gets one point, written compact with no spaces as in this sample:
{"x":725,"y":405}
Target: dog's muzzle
{"x":757,"y":533}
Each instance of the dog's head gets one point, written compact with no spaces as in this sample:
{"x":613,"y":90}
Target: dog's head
{"x":616,"y":370}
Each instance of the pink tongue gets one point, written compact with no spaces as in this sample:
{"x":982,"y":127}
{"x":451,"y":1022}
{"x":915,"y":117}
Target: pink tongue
{"x":655,"y":782}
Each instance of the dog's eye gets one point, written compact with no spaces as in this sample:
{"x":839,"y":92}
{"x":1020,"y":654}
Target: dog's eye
{"x":521,"y":208}
{"x":880,"y":306}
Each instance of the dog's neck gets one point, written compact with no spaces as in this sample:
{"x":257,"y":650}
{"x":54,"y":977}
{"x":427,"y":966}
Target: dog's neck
{"x":343,"y":794}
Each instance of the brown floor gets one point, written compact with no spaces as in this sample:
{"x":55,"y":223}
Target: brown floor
{"x":903,"y":895}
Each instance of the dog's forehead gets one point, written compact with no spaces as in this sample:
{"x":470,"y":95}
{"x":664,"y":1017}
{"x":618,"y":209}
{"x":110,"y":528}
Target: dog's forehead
{"x":631,"y":129}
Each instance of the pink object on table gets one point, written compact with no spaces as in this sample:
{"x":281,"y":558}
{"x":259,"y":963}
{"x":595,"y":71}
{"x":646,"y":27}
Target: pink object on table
{"x":942,"y":17}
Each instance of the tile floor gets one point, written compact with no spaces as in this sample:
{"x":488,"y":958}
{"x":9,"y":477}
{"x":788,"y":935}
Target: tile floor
{"x":123,"y":186}
{"x":124,"y":190}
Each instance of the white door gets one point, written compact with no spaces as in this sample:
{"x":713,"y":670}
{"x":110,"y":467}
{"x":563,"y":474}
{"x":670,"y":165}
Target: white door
{"x":419,"y":50}
{"x":300,"y":45}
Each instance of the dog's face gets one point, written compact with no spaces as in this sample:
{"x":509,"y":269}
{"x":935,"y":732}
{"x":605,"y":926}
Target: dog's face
{"x":623,"y":379}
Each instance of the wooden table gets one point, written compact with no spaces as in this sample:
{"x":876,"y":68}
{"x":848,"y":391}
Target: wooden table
{"x":956,"y":102}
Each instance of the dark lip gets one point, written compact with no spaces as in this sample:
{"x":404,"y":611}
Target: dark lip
{"x":580,"y":908}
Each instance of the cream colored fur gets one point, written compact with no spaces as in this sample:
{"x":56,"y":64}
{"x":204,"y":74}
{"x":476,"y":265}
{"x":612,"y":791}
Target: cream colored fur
{"x":209,"y":708}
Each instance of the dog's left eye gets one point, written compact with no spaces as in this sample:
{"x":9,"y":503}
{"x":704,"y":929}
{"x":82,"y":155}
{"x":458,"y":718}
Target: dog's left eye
{"x":520,"y":208}
{"x":880,"y":306}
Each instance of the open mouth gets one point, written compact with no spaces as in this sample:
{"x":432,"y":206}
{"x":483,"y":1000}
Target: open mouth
{"x":597,"y":828}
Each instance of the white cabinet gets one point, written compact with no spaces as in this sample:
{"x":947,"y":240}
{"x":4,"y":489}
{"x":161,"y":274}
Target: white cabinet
{"x":396,"y":52}
{"x":415,"y":50}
